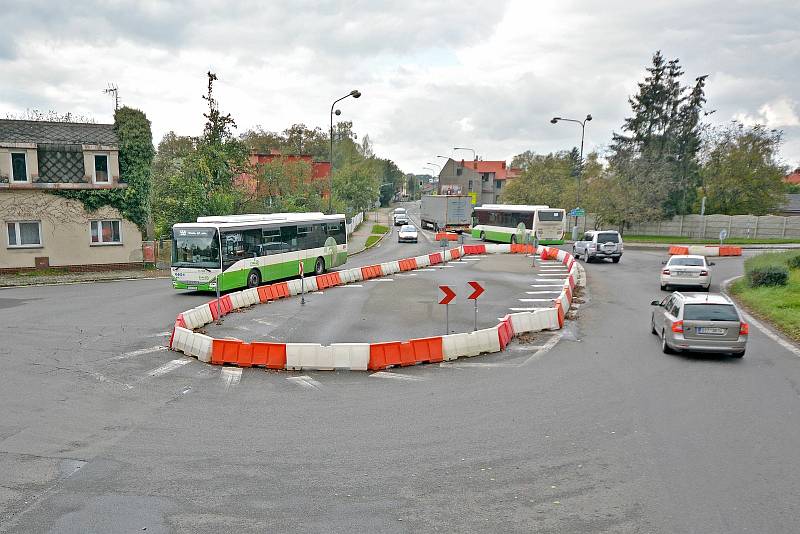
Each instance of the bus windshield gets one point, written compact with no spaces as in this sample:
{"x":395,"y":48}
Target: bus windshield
{"x":195,"y":247}
{"x":550,"y":215}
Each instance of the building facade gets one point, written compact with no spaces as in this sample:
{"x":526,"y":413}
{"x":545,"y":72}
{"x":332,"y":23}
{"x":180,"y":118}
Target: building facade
{"x":482,"y":180}
{"x":42,"y":230}
{"x":320,"y":171}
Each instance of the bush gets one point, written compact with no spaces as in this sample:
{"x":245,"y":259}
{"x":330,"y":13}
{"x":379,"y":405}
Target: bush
{"x":769,"y":275}
{"x":794,"y":261}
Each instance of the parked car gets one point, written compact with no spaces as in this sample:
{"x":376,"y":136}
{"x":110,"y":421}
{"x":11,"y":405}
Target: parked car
{"x":407,"y":234}
{"x":598,"y":245}
{"x":686,"y":270}
{"x":400,"y":217}
{"x":702,"y":322}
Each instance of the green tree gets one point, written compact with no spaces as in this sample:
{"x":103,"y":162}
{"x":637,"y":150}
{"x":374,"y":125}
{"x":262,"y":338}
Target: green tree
{"x":356,"y":186}
{"x":741,"y":172}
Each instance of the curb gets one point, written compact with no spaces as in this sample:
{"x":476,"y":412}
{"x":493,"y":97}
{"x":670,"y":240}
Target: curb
{"x":91,"y":281}
{"x":371,"y":246}
{"x":762,"y":323}
{"x":370,"y":356}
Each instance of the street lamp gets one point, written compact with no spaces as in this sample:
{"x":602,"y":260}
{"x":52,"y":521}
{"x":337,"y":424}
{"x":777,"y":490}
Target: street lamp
{"x":465,"y":148}
{"x":355,"y":93}
{"x":554,"y":120}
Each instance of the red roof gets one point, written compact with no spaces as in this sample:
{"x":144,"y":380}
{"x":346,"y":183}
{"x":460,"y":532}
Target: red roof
{"x":793,"y":178}
{"x":499,"y":168}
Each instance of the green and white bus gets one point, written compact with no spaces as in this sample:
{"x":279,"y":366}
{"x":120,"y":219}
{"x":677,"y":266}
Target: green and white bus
{"x":510,"y":223}
{"x":246,"y":250}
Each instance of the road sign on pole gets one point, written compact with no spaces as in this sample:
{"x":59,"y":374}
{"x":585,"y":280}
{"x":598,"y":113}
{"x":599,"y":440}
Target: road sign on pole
{"x":478,"y":291}
{"x":449,"y":295}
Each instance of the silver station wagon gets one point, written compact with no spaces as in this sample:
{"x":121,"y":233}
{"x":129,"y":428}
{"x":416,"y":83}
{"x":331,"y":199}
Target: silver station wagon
{"x":699,"y":322}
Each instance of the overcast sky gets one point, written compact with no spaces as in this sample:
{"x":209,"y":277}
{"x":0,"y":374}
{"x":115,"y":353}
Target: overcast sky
{"x":434,"y":74}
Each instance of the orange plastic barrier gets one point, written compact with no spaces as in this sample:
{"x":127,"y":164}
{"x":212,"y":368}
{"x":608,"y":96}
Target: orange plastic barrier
{"x":544,"y":254}
{"x":435,"y":258}
{"x":269,"y":355}
{"x":730,"y":250}
{"x":447,"y":236}
{"x":328,"y":280}
{"x":505,"y":331}
{"x":568,"y":291}
{"x":179,"y":321}
{"x":474,"y":249}
{"x":405,"y":353}
{"x":674,"y":249}
{"x":225,"y":306}
{"x":552,"y":253}
{"x":560,"y":314}
{"x":408,"y":264}
{"x":382,"y":355}
{"x":371,"y":271}
{"x":427,"y":350}
{"x":225,"y":351}
{"x":522,"y":249}
{"x":455,"y":253}
{"x":571,"y":281}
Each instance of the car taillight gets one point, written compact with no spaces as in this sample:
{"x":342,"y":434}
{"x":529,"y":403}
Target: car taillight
{"x":677,"y":327}
{"x":744,"y":329}
{"x":703,"y":273}
{"x":665,"y":271}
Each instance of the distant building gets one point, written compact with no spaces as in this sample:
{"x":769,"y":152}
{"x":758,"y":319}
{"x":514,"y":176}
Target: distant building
{"x":43,"y":230}
{"x":483,"y":180}
{"x":794,"y":178}
{"x":792,"y":205}
{"x":320,"y":170}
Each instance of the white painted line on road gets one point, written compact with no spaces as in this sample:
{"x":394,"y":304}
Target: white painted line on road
{"x":139,"y":352}
{"x":304,"y":381}
{"x":545,"y":348}
{"x":427,"y":270}
{"x":160,"y":334}
{"x":230,"y":376}
{"x":535,"y":300}
{"x":395,"y":376}
{"x":263,"y":321}
{"x":547,"y":285}
{"x":524,"y":309}
{"x":545,"y":280}
{"x":765,"y":329}
{"x":551,"y":292}
{"x":472,"y":259}
{"x":169,"y":367}
{"x":466,"y":365}
{"x":381,"y":280}
{"x":405,"y":275}
{"x":550,"y":274}
{"x":350,"y":285}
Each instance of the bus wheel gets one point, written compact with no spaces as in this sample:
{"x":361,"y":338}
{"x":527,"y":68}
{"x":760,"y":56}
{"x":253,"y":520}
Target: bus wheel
{"x":513,"y":240}
{"x":319,"y":266}
{"x":253,"y":278}
{"x":483,"y":236}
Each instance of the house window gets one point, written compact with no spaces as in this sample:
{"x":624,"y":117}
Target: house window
{"x":19,"y":167}
{"x":459,"y":171}
{"x":105,"y":232}
{"x":498,"y":184}
{"x":470,"y":185}
{"x":24,"y":234}
{"x":101,"y":168}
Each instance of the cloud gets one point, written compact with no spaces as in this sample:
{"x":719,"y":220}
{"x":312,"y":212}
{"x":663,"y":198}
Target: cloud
{"x":434,"y":74}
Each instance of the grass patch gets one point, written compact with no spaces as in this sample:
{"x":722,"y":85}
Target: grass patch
{"x":52,"y":271}
{"x":780,"y":305}
{"x":371,"y":240}
{"x":678,"y":240}
{"x":379,"y":229}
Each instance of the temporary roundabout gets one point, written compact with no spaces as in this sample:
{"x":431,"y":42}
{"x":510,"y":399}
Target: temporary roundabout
{"x":187,"y":339}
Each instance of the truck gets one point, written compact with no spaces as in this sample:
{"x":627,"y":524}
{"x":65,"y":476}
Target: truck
{"x":448,"y":213}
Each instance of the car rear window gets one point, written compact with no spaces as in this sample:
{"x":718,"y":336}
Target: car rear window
{"x":610,"y":237}
{"x":688,"y":262}
{"x":407,"y":228}
{"x":710,"y":312}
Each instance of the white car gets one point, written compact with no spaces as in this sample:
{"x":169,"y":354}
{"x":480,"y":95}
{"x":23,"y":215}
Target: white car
{"x":686,"y":270}
{"x":399,"y":216}
{"x":407,"y":233}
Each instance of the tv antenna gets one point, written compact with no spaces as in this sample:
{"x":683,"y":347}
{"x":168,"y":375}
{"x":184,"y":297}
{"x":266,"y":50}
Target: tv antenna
{"x":113,"y":90}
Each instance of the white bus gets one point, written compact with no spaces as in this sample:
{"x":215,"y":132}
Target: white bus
{"x":246,"y":250}
{"x":510,"y":223}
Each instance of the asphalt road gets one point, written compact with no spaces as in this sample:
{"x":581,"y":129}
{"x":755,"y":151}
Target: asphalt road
{"x":103,"y":432}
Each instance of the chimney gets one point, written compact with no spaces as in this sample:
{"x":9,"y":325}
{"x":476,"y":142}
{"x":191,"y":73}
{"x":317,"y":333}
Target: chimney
{"x":462,"y":162}
{"x":503,"y":166}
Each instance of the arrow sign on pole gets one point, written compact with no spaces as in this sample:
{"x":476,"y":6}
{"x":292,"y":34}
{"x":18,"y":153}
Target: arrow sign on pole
{"x":478,"y":290}
{"x":449,"y":295}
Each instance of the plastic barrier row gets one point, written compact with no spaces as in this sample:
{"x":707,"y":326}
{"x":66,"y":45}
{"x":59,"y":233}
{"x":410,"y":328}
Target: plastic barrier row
{"x":706,"y":250}
{"x":369,"y":356}
{"x":446,"y":236}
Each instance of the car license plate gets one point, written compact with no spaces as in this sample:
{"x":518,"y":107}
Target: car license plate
{"x":711,"y":330}
{"x":191,"y":288}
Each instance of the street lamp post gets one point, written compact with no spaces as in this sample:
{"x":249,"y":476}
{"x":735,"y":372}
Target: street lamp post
{"x":355,"y":93}
{"x":554,"y":120}
{"x":465,"y":148}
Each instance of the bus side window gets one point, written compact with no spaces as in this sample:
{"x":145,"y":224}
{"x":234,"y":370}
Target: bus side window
{"x":289,"y":238}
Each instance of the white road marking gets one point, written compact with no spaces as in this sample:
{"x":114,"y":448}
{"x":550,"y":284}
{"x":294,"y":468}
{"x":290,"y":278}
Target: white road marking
{"x":427,"y":270}
{"x":160,"y":334}
{"x":395,"y":376}
{"x":230,"y":376}
{"x":545,"y":280}
{"x":524,"y":309}
{"x":157,"y":348}
{"x":381,"y":280}
{"x":551,"y":292}
{"x":465,"y":365}
{"x":404,"y":275}
{"x":263,"y":321}
{"x":351,"y":285}
{"x":535,"y":300}
{"x":547,"y":285}
{"x":545,"y":348}
{"x":472,"y":259}
{"x":169,"y":367}
{"x":304,"y":381}
{"x":551,"y":274}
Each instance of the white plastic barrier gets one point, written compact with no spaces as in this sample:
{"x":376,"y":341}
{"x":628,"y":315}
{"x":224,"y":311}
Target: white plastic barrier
{"x":498,"y":248}
{"x":390,"y":267}
{"x":486,"y":340}
{"x":250,"y":296}
{"x":353,"y":356}
{"x":457,"y":345}
{"x":237,"y":300}
{"x":294,"y":287}
{"x":310,"y":283}
{"x":192,"y":344}
{"x":561,"y":255}
{"x":423,"y":261}
{"x":704,"y":250}
{"x":197,"y":317}
{"x":357,"y":275}
{"x":311,"y":356}
{"x":180,"y":339}
{"x":564,"y":301}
